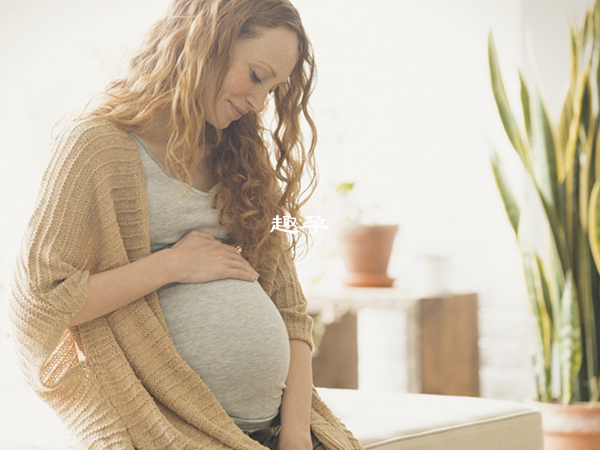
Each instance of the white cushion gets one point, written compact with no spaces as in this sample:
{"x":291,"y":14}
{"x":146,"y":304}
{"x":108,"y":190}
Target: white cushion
{"x":393,"y":420}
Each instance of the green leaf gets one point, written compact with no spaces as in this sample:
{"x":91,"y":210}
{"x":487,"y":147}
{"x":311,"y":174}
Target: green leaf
{"x":567,"y":112}
{"x":535,"y":293}
{"x":506,"y":114}
{"x":510,"y":204}
{"x":569,"y":340}
{"x":526,"y":107}
{"x":344,"y":189}
{"x":543,"y":149}
{"x":578,"y":105}
{"x":549,"y":305}
{"x":587,"y":276}
{"x":594,"y":224}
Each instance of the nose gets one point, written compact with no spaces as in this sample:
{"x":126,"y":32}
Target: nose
{"x":257,"y":99}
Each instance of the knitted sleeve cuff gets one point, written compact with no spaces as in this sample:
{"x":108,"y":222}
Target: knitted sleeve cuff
{"x":299,"y":326}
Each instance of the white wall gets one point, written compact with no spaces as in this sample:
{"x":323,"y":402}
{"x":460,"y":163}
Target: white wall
{"x":403,"y":106}
{"x":406,"y":110}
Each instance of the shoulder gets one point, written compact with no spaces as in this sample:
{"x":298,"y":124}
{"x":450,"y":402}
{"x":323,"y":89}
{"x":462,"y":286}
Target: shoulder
{"x":93,"y":131}
{"x":95,"y":137}
{"x":89,"y":152}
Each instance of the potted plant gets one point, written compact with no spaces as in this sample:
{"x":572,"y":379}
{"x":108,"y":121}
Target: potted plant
{"x":562,"y":162}
{"x":365,"y":248}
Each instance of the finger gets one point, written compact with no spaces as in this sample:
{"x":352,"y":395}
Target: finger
{"x":230,"y":248}
{"x":242,"y":274}
{"x":244,"y":265}
{"x":233,"y":251}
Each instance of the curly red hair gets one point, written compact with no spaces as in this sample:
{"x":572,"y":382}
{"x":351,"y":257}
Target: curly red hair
{"x":259,"y":170}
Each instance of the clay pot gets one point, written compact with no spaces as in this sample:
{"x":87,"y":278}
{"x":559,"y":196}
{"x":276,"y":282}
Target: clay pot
{"x":570,"y":427}
{"x":366,"y":250}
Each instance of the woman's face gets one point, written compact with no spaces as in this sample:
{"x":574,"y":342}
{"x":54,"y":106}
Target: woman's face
{"x":257,"y":66}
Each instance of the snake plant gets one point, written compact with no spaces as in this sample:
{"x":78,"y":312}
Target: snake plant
{"x":562,"y":161}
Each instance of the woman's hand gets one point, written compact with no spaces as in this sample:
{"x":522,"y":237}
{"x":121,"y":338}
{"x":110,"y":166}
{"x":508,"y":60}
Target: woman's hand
{"x":290,"y":439}
{"x":199,"y":257}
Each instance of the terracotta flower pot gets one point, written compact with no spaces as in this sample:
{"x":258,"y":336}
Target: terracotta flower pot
{"x":366,"y":250}
{"x":570,"y":427}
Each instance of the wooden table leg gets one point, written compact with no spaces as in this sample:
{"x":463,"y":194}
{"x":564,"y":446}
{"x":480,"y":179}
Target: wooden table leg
{"x":449,"y":348}
{"x":335,"y":365}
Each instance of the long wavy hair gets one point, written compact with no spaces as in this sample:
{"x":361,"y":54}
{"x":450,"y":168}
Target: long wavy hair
{"x":259,"y":170}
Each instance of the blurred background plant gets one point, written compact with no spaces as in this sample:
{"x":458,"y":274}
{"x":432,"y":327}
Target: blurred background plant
{"x":562,"y":164}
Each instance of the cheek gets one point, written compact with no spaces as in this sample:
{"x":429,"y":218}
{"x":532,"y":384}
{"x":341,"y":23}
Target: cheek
{"x":237,"y":84}
{"x":209,"y":90}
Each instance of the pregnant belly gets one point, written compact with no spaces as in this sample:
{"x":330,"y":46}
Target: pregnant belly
{"x":232,"y":335}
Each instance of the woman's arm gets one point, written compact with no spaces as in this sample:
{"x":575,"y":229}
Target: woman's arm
{"x":196,"y":258}
{"x":112,"y":289}
{"x":297,"y":399}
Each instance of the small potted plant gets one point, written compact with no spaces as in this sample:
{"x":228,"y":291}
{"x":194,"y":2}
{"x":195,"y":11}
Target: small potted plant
{"x":562,"y":163}
{"x":365,"y":248}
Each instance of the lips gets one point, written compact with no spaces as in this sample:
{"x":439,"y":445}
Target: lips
{"x":236,"y":111}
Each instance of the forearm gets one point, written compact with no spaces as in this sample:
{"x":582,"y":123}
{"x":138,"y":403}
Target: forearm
{"x":297,"y":396}
{"x":115,"y":288}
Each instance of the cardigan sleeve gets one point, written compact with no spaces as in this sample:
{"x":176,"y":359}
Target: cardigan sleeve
{"x":290,"y":300}
{"x":52,"y":268}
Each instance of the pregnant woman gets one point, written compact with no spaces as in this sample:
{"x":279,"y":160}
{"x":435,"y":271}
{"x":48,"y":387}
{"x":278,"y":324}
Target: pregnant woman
{"x":151,"y":306}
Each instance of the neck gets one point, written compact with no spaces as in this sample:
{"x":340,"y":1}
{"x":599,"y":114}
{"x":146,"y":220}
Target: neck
{"x":157,"y":130}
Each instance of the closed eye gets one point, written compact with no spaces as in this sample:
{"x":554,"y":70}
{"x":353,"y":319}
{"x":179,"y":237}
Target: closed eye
{"x":257,"y":80}
{"x":254,"y":77}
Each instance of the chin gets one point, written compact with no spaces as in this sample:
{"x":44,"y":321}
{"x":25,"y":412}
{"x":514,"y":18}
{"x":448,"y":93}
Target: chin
{"x":221,"y":125}
{"x":224,"y":122}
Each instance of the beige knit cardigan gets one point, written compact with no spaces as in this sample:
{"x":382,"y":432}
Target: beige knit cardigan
{"x":118,"y":382}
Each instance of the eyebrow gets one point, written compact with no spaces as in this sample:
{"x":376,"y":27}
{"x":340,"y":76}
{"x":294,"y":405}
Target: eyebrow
{"x":270,"y":68}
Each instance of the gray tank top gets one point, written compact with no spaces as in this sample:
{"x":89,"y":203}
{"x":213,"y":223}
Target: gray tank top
{"x":228,"y":331}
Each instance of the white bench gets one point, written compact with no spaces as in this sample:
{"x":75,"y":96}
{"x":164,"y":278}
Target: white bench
{"x":392,"y":420}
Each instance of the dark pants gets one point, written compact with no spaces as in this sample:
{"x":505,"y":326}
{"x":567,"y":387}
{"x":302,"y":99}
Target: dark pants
{"x":269,"y":437}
